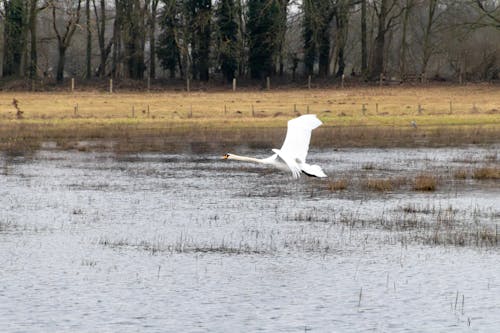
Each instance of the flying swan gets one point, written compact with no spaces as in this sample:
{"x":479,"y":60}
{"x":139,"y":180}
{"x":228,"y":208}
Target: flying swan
{"x":292,"y":155}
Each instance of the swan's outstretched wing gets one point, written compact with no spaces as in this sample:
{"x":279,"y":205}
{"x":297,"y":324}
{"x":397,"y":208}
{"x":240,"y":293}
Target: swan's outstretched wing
{"x":298,"y":136}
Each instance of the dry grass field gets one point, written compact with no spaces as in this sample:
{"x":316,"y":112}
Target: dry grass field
{"x":357,"y":116}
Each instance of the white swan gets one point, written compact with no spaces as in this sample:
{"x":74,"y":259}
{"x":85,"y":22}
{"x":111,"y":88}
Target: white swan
{"x":292,"y":155}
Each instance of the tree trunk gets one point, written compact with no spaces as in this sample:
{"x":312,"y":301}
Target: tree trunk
{"x":133,"y":14}
{"x":152,"y":40}
{"x":377,"y":67}
{"x":242,"y":59}
{"x":342,"y":23}
{"x":324,"y":51}
{"x":60,"y":64}
{"x":364,"y":49}
{"x":33,"y":66}
{"x":403,"y":48}
{"x":117,"y":31}
{"x":427,"y":47}
{"x":282,"y":34}
{"x":88,"y":72}
{"x":309,"y":40}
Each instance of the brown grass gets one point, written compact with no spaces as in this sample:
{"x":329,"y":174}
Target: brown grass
{"x":151,"y":121}
{"x":338,"y":185}
{"x":379,"y":184}
{"x":425,"y":182}
{"x":486,"y":173}
{"x":327,"y":103}
{"x":384,"y":184}
{"x":460,"y":174}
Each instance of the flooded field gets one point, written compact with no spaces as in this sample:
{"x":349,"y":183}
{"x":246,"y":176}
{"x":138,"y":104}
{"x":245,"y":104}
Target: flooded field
{"x":101,"y":242}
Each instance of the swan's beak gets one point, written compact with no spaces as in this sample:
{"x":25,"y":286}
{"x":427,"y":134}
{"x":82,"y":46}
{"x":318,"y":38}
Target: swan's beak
{"x":226,"y":156}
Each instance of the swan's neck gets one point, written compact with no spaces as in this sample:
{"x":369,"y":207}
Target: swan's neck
{"x":245,"y":159}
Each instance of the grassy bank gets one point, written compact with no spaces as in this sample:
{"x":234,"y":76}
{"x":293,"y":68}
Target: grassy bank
{"x":395,"y":116}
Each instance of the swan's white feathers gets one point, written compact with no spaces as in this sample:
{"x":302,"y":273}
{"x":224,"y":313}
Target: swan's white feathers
{"x":313,"y":170}
{"x":290,"y":162}
{"x":293,"y":153}
{"x":298,"y":136}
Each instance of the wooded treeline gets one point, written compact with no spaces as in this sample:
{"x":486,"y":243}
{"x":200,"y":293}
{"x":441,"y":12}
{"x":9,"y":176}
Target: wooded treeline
{"x":252,"y":39}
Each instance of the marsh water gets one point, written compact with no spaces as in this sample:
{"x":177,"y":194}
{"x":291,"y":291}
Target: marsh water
{"x":184,"y":242}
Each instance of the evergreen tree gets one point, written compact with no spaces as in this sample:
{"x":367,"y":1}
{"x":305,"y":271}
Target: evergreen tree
{"x":199,"y":14}
{"x":263,"y":26}
{"x":310,"y":46}
{"x":227,"y":38}
{"x":167,"y":49}
{"x":14,"y":41}
{"x":134,"y":35}
{"x":317,"y":31}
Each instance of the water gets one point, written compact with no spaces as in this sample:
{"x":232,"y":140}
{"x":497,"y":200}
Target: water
{"x":166,"y":243}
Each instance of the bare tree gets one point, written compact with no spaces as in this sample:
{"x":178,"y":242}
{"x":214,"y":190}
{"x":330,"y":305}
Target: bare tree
{"x":428,"y":46}
{"x":34,"y":10}
{"x":489,"y":13}
{"x":104,"y":47}
{"x":409,"y":4}
{"x":152,"y":38}
{"x":282,"y":26}
{"x":364,"y":47}
{"x":387,"y":12}
{"x":88,"y":69}
{"x":70,"y":11}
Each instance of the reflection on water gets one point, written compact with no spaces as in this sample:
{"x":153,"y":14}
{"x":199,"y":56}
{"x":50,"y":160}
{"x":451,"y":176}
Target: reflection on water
{"x":189,"y":242}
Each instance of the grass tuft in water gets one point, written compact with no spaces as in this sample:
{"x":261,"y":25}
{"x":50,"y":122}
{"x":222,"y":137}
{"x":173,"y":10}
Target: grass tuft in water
{"x":337,"y":185}
{"x":425,"y":182}
{"x":486,"y":173}
{"x":460,"y":174}
{"x":379,"y":184}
